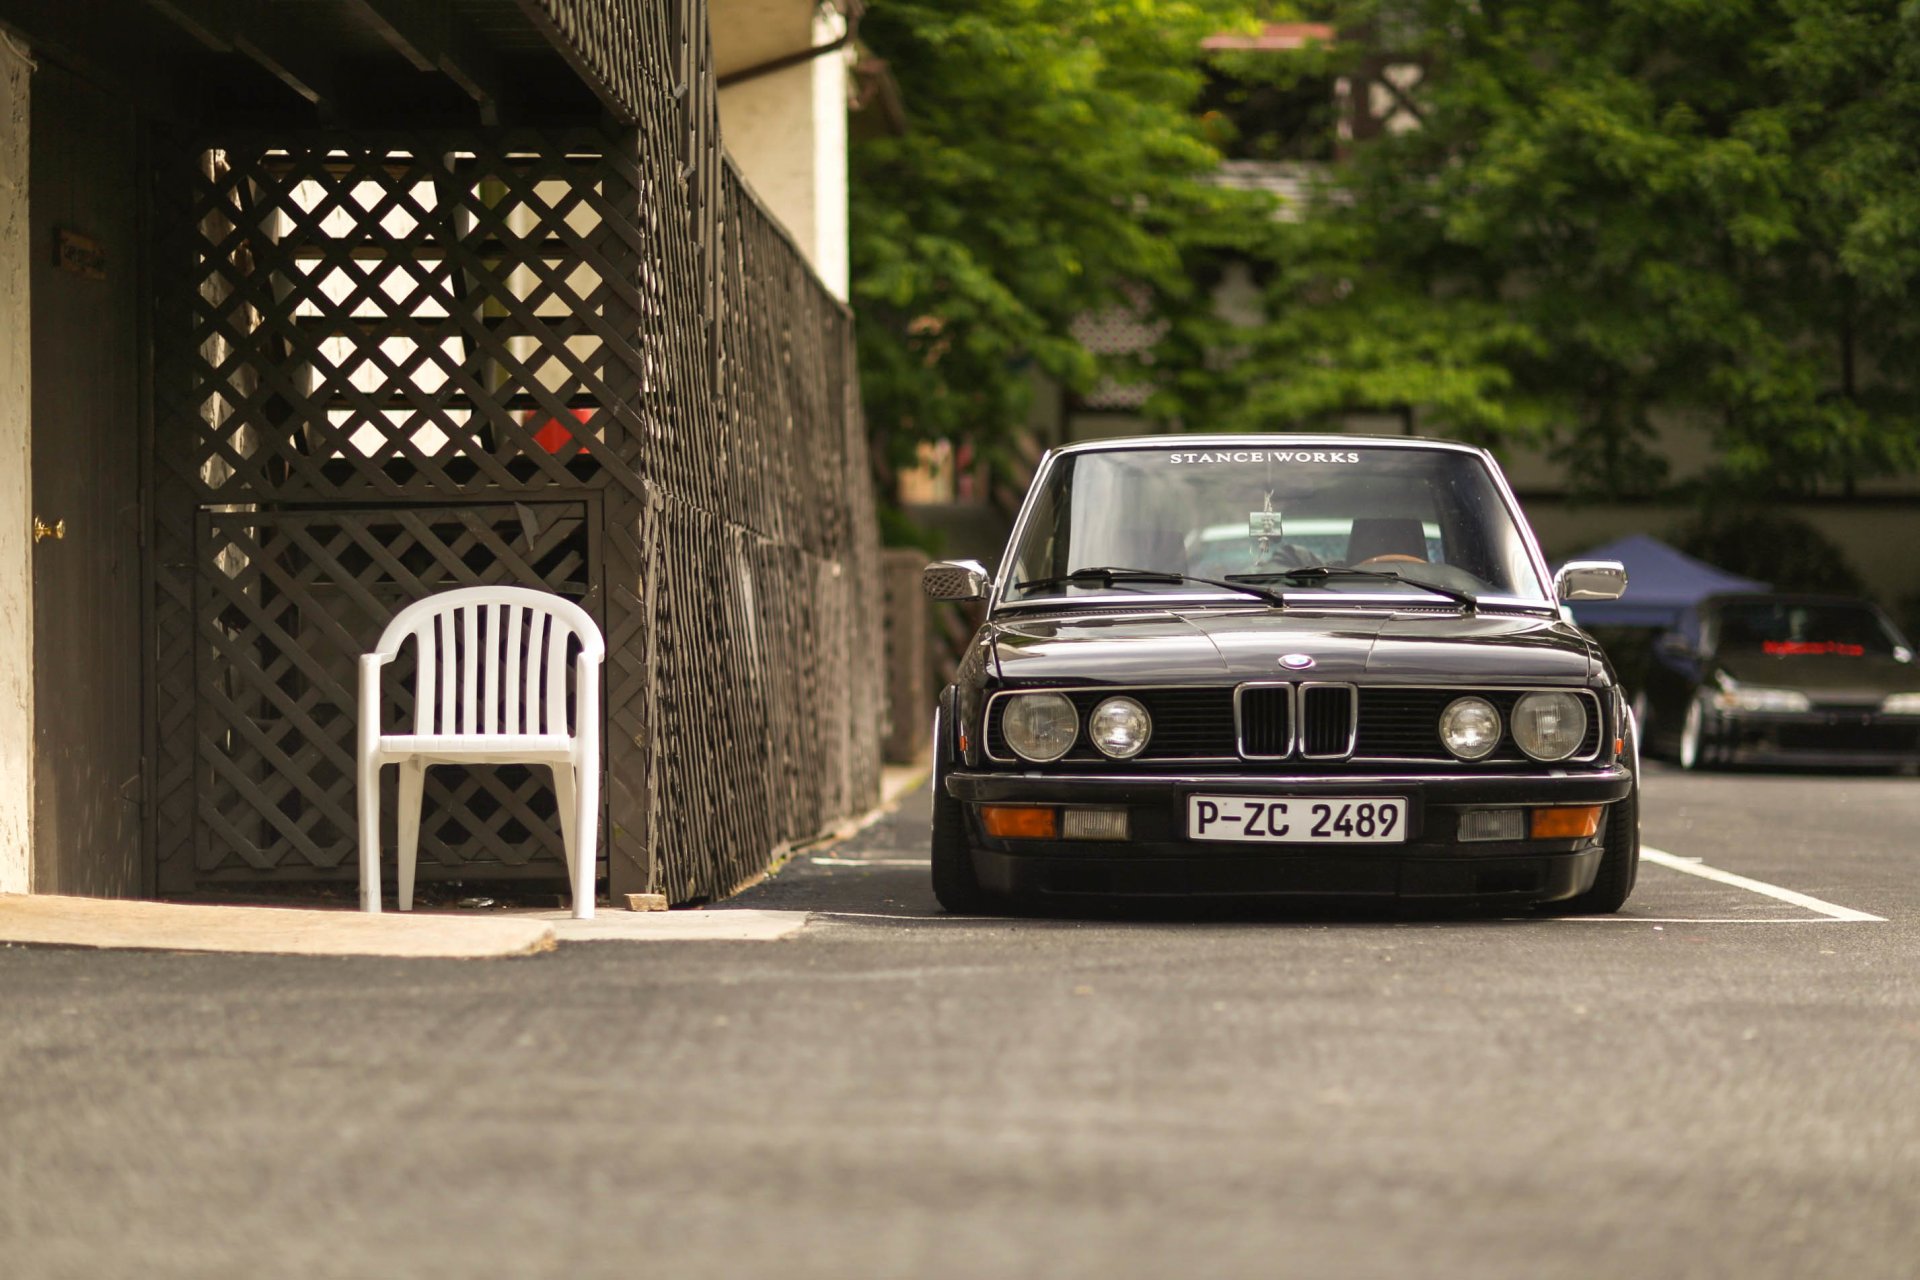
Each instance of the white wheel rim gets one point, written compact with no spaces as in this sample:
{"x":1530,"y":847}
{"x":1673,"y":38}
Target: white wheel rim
{"x":1690,"y":737}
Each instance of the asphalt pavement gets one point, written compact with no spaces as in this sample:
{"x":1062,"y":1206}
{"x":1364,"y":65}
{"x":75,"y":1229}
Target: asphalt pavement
{"x":1718,"y":1082}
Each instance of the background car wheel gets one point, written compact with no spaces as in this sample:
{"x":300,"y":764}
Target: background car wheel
{"x":954,"y":882}
{"x":1619,"y":865}
{"x":1696,"y":746}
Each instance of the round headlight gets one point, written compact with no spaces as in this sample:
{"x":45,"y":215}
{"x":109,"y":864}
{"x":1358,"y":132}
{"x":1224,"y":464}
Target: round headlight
{"x":1550,"y":726}
{"x":1040,"y":726}
{"x":1470,"y":727}
{"x":1120,"y":727}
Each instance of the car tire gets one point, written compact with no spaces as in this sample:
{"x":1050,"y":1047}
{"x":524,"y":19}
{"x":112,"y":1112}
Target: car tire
{"x":955,"y":883}
{"x":1696,"y":750}
{"x":1619,"y":864}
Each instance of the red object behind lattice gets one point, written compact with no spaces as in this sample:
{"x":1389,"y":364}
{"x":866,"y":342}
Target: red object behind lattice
{"x":553,"y":434}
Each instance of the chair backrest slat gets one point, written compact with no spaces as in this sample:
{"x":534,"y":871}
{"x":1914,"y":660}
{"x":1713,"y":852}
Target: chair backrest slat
{"x":424,"y":702}
{"x":449,"y":673}
{"x":536,"y":640}
{"x":510,"y":678}
{"x":557,"y":679}
{"x":490,"y":669}
{"x":470,"y":672}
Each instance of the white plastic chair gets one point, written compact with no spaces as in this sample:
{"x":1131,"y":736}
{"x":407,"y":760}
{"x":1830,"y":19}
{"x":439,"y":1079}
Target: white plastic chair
{"x":490,"y":688}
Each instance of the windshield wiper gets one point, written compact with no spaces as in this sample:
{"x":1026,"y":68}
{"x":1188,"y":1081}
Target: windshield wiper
{"x":1109,"y":575}
{"x":1321,"y":572}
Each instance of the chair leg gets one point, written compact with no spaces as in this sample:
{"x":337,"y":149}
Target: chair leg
{"x":586,"y":826}
{"x":563,"y":802}
{"x":413,"y":777}
{"x":369,"y":835}
{"x":567,"y":800}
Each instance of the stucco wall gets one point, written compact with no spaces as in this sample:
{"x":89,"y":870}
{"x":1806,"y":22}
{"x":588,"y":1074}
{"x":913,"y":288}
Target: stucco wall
{"x":787,"y":130}
{"x":16,"y":571}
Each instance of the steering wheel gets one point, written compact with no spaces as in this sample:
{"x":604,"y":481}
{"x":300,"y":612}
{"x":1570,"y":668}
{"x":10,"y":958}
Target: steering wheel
{"x":1392,"y":557}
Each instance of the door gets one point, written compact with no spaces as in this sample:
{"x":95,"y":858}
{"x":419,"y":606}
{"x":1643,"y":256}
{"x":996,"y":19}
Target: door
{"x":85,"y":187}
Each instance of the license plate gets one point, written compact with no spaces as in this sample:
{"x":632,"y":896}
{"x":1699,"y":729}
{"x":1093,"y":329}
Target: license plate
{"x":1320,"y":820}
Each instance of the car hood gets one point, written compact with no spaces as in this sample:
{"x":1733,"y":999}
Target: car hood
{"x":1826,"y":676}
{"x":1202,"y":645}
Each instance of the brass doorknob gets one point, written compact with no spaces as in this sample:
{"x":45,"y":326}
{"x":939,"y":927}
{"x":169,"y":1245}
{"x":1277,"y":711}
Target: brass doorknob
{"x":41,"y":529}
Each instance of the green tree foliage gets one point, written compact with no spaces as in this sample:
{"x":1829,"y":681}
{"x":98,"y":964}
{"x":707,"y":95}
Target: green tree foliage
{"x":1053,"y":163}
{"x":1612,"y":209}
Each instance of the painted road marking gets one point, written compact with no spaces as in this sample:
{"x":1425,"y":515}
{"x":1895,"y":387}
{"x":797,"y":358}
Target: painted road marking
{"x":1826,"y":912}
{"x":1694,"y":867}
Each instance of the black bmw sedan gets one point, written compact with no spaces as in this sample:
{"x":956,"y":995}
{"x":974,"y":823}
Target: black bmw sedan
{"x":1280,"y":665}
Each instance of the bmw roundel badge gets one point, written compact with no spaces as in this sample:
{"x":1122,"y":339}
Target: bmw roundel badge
{"x":1296,"y":661}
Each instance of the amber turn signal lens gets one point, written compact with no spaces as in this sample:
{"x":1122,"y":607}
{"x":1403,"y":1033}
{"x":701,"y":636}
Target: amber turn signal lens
{"x":1564,"y":823}
{"x":1018,"y":822}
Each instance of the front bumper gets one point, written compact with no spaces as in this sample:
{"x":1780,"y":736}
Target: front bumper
{"x":1158,"y":860}
{"x":1814,"y":738}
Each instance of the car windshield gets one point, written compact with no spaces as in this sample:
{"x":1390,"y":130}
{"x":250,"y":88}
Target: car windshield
{"x":1786,"y":628}
{"x":1413,"y":518}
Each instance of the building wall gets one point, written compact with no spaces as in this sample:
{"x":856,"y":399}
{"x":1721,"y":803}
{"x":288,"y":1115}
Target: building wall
{"x":16,"y":578}
{"x":787,"y":129}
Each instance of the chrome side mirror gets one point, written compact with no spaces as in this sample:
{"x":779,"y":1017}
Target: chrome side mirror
{"x":1590,"y":580}
{"x":956,"y":580}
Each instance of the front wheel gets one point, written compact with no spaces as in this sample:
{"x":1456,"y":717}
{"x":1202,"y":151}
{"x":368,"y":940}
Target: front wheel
{"x":1619,"y":864}
{"x":955,"y":883}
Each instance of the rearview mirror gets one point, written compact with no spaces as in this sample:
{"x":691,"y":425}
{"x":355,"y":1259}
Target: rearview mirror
{"x":1590,"y":580}
{"x":956,"y":580}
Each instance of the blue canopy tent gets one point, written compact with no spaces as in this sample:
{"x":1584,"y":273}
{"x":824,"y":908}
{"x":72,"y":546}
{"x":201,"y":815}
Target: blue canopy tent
{"x":1661,"y":584}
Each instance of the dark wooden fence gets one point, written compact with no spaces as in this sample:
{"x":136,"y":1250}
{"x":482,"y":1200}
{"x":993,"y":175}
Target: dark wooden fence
{"x":389,"y":363}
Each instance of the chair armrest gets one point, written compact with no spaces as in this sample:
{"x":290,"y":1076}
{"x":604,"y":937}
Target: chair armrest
{"x":369,"y":730}
{"x":586,"y":706}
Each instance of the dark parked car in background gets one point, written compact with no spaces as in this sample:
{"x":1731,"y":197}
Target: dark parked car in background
{"x":1783,"y":679}
{"x":1272,"y":665}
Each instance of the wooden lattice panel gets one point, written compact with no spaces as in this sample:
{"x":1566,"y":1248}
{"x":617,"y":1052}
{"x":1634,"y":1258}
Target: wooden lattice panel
{"x":285,"y":603}
{"x":372,"y":321}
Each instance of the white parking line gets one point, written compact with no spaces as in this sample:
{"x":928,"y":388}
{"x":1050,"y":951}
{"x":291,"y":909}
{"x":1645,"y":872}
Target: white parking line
{"x":1694,"y":867}
{"x":1828,"y":913}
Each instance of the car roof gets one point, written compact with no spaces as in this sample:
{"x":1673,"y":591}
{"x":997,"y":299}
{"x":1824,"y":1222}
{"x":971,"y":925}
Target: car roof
{"x":1284,"y":439}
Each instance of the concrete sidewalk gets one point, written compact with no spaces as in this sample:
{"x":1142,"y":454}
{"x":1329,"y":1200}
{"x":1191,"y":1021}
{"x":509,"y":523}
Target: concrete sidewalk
{"x":44,"y":919}
{"x":176,"y":926}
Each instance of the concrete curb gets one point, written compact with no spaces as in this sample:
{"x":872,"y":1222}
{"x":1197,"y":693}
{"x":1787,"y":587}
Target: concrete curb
{"x":50,"y":920}
{"x":737,"y":924}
